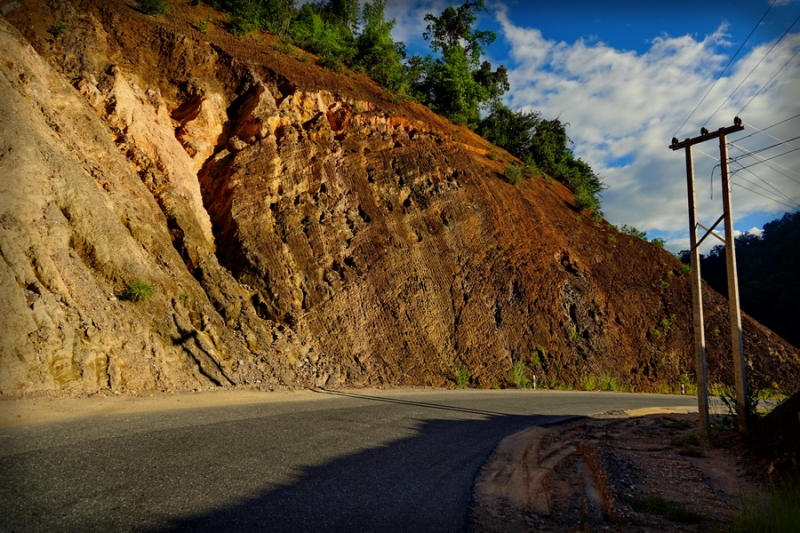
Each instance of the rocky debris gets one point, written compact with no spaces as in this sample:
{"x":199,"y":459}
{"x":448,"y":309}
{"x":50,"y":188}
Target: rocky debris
{"x":299,"y":235}
{"x":601,"y":475}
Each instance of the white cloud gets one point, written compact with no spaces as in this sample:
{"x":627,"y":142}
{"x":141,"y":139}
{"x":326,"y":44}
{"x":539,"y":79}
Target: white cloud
{"x":626,"y":106}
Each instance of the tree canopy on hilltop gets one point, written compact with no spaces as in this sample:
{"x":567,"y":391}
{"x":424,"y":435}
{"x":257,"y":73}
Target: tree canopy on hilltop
{"x":453,"y":81}
{"x":767,"y":267}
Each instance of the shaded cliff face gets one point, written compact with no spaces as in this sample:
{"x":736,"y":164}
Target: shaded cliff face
{"x":300,"y":228}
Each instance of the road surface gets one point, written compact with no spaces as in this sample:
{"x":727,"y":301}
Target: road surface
{"x":359,"y":461}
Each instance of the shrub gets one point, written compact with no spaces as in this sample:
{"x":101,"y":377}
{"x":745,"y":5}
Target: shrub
{"x":138,"y":290}
{"x":633,"y":232}
{"x":585,"y":200}
{"x":519,"y":375}
{"x":462,"y":376}
{"x":58,"y":28}
{"x":153,"y":7}
{"x":331,"y":63}
{"x":780,"y":512}
{"x":513,"y":174}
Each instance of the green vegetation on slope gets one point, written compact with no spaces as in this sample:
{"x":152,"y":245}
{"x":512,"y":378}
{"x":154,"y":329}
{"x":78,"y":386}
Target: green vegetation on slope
{"x":452,"y":81}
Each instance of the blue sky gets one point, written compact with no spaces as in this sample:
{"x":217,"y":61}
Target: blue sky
{"x":625,"y":75}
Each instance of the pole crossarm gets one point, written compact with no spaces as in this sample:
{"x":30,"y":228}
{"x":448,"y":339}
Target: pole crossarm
{"x":709,"y":232}
{"x":706,"y":136}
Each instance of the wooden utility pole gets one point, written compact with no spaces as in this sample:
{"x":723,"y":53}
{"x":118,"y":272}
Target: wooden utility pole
{"x":737,"y":345}
{"x":697,"y":301}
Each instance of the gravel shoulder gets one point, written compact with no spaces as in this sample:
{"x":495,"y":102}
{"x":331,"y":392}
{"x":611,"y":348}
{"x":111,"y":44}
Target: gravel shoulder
{"x":637,"y":471}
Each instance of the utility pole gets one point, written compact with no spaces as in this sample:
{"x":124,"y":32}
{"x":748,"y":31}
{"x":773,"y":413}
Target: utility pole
{"x":739,"y":369}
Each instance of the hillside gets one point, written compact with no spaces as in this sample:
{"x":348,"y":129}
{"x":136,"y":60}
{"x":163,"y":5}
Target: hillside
{"x":299,"y":228}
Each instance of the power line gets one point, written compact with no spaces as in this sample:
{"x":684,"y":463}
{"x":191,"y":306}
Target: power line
{"x":754,"y":68}
{"x":775,"y":189}
{"x":763,"y":195}
{"x":768,"y":82}
{"x":726,"y":67}
{"x":769,"y":158}
{"x":770,"y":165}
{"x":765,"y":129}
{"x":748,"y":153}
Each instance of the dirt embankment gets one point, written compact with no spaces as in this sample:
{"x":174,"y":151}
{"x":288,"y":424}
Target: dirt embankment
{"x":298,"y":228}
{"x":629,"y":473}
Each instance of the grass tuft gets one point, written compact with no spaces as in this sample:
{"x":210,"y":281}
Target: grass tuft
{"x":138,"y":290}
{"x":672,"y":510}
{"x":519,"y":375}
{"x":780,"y":513}
{"x":463,"y":376}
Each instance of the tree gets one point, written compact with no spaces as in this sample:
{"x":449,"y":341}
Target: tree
{"x":510,"y":130}
{"x":453,"y":28}
{"x":767,"y":267}
{"x":378,"y":55}
{"x":456,"y":83}
{"x":549,"y":149}
{"x":319,"y":34}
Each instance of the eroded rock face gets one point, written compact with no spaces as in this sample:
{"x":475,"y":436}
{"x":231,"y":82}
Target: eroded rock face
{"x":298,"y":237}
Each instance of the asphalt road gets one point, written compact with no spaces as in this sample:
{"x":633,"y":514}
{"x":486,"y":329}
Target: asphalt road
{"x":338,"y":461}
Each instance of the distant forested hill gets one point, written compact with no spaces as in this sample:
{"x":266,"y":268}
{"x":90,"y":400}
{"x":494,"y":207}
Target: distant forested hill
{"x":769,"y":275}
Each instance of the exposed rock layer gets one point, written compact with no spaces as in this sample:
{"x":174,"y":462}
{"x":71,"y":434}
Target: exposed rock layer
{"x":299,"y":228}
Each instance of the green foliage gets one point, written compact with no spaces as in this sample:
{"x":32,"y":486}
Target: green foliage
{"x":612,"y":239}
{"x":779,"y":513}
{"x":379,"y":56}
{"x":58,"y":28}
{"x":751,"y":401}
{"x":462,"y":376}
{"x":203,"y":26}
{"x":513,"y":174}
{"x":153,"y":7}
{"x":584,"y":200}
{"x":519,"y":375}
{"x":573,"y":336}
{"x":331,"y":62}
{"x":684,"y":269}
{"x":606,"y":382}
{"x":138,"y":290}
{"x":510,"y":130}
{"x":659,"y":242}
{"x":633,"y":232}
{"x":767,"y":266}
{"x":184,"y":298}
{"x":549,"y":148}
{"x":653,"y":504}
{"x":455,"y":84}
{"x":312,"y":30}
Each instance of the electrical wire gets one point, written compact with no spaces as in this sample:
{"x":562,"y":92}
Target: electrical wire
{"x":757,"y":151}
{"x":768,"y":82}
{"x":763,"y":195}
{"x":772,"y":165}
{"x":726,"y":68}
{"x":707,"y":155}
{"x":774,"y":189}
{"x":754,"y":68}
{"x":765,"y":129}
{"x":770,"y":158}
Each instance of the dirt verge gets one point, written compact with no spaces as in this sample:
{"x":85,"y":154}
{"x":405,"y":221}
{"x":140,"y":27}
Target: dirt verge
{"x":628,"y":474}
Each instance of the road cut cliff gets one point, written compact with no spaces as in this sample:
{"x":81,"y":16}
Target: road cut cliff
{"x":288,"y":226}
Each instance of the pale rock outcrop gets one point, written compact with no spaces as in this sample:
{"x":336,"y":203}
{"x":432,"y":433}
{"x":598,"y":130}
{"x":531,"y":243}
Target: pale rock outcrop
{"x":298,"y":237}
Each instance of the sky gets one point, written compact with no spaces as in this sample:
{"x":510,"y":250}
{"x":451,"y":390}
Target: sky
{"x":627,"y":76}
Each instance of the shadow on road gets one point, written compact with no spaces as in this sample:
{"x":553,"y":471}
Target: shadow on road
{"x":418,"y":484}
